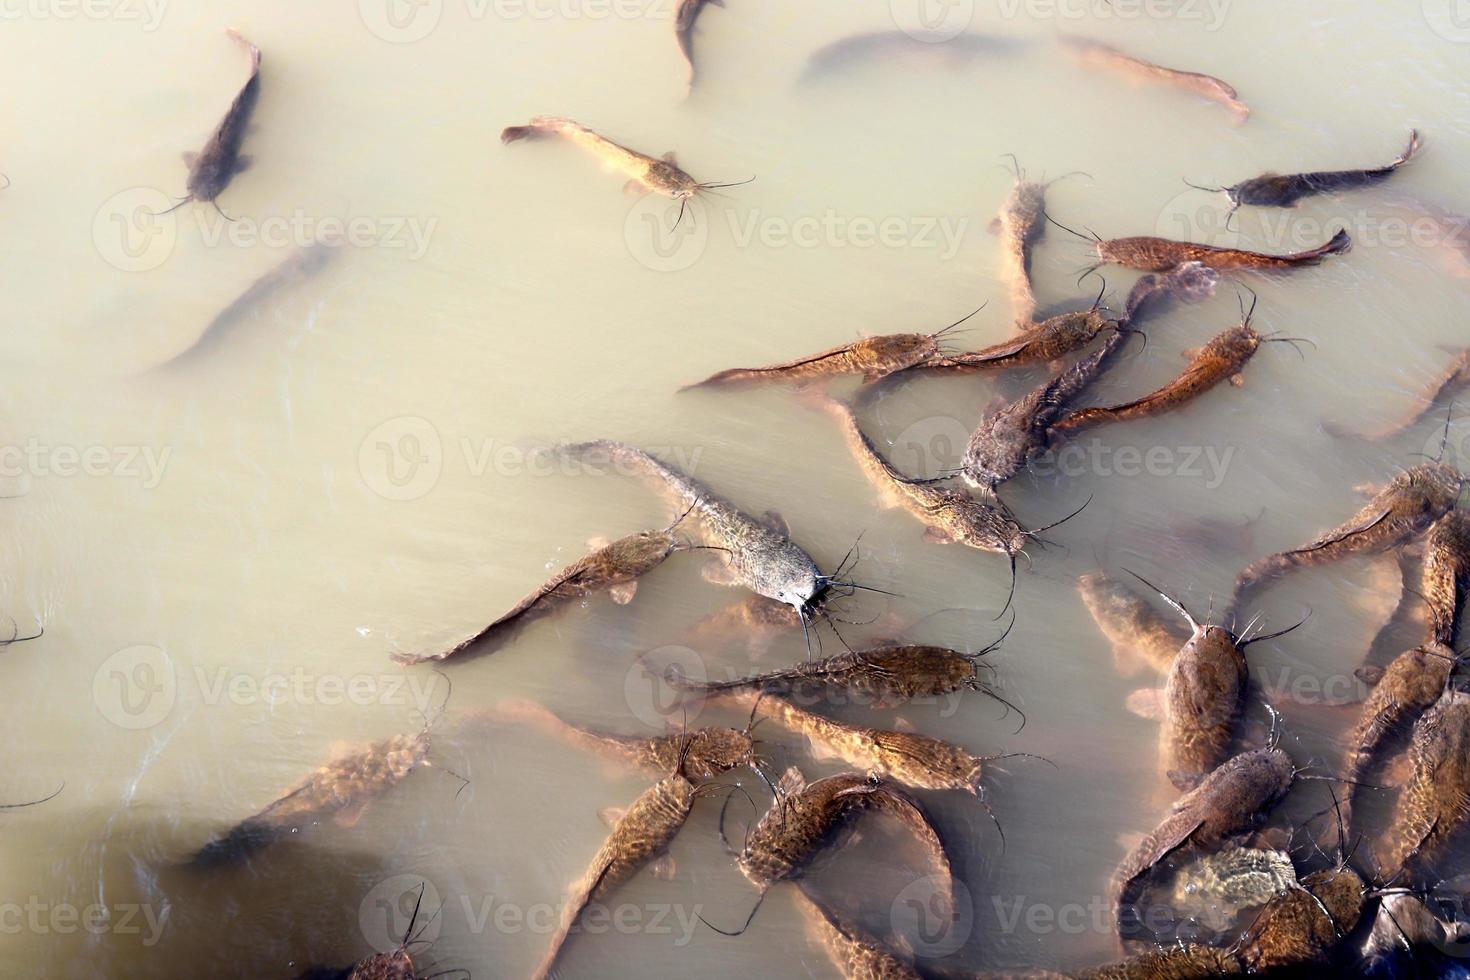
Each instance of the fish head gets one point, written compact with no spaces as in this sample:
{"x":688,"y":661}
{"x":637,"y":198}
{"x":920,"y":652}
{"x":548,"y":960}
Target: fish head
{"x":666,"y":178}
{"x":1342,"y":893}
{"x":394,"y":965}
{"x":981,"y":525}
{"x":792,"y":577}
{"x":718,"y":750}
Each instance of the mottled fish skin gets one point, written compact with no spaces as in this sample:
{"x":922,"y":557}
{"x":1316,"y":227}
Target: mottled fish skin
{"x":1006,"y":439}
{"x":1204,"y":697}
{"x":1040,"y":343}
{"x":1174,"y":963}
{"x":340,"y":789}
{"x":684,"y":17}
{"x":870,"y":357}
{"x":1446,"y":572}
{"x":1221,"y":359}
{"x":758,"y":556}
{"x":1301,"y":927}
{"x":1229,"y":802}
{"x":607,"y":568}
{"x":653,"y":175}
{"x":1152,"y":254}
{"x":1409,"y":941}
{"x":643,"y":833}
{"x":1399,"y":513}
{"x":856,"y":954}
{"x":1411,"y":684}
{"x":912,"y":759}
{"x":1189,"y":281}
{"x":1285,"y":190}
{"x":1022,"y":222}
{"x":212,"y":169}
{"x":949,"y":516}
{"x":1433,"y":807}
{"x":1138,"y":635}
{"x":1209,"y":87}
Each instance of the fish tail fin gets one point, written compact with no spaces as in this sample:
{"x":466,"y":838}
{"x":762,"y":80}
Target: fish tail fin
{"x":1341,"y":242}
{"x":250,"y":48}
{"x":1410,"y":150}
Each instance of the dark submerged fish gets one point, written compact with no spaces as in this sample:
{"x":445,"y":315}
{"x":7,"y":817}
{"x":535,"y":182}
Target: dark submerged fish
{"x":212,"y":168}
{"x":1285,"y":190}
{"x":684,"y":17}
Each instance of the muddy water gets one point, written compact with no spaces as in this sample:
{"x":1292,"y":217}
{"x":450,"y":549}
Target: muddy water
{"x":225,"y":553}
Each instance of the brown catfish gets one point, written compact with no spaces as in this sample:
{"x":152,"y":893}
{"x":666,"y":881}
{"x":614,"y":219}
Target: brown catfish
{"x":342,"y":789}
{"x":212,"y":168}
{"x":755,"y":620}
{"x":644,"y":173}
{"x":1152,"y":254}
{"x":1410,"y":685}
{"x":1202,"y":700}
{"x":1454,"y":378}
{"x":1095,"y":54}
{"x":1222,"y":359}
{"x":857,"y":954}
{"x":1227,"y":804}
{"x":639,"y":835}
{"x":1138,"y":635}
{"x":1273,"y":190}
{"x":1004,"y":440}
{"x":705,"y":752}
{"x":884,"y":677}
{"x":1020,"y":224}
{"x":1043,"y":343}
{"x":758,"y":555}
{"x":1396,"y":515}
{"x":871,"y":357}
{"x":395,"y":964}
{"x":1189,"y":281}
{"x":915,"y":760}
{"x":293,"y":270}
{"x":684,"y":17}
{"x":1435,"y":803}
{"x":806,"y":817}
{"x":1446,"y":572}
{"x":949,"y":516}
{"x":1301,"y":927}
{"x":1409,"y":940}
{"x":1181,"y":962}
{"x":614,"y":567}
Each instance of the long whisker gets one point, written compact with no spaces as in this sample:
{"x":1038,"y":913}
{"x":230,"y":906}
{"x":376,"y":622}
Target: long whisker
{"x":1272,"y":636}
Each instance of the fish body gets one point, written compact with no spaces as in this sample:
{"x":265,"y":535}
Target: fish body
{"x":857,"y":954}
{"x":1182,"y":962}
{"x":1432,"y":809}
{"x":1138,"y":635}
{"x":871,"y":357}
{"x":646,"y":172}
{"x":213,"y":167}
{"x":1042,"y":343}
{"x":1152,"y":254}
{"x":1301,"y":927}
{"x":1095,"y":54}
{"x":1446,"y":572}
{"x":1455,"y":377}
{"x":684,"y":17}
{"x":1286,"y":190}
{"x":1189,"y":281}
{"x":1204,"y":697}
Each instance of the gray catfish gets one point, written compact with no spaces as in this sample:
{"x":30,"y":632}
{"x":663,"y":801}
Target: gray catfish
{"x":212,"y":168}
{"x":1286,"y":190}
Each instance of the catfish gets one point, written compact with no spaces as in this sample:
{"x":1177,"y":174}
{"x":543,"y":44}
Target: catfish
{"x":857,"y":954}
{"x":213,"y":167}
{"x":1189,"y":281}
{"x":1152,"y":254}
{"x":684,"y":17}
{"x":1020,"y":224}
{"x":1433,"y":807}
{"x":1301,"y":928}
{"x":1041,"y":343}
{"x":1272,"y":190}
{"x":1446,"y":573}
{"x":870,"y":357}
{"x":1454,"y":378}
{"x":1139,"y":636}
{"x":1179,"y":962}
{"x":1409,"y":940}
{"x":1095,"y":54}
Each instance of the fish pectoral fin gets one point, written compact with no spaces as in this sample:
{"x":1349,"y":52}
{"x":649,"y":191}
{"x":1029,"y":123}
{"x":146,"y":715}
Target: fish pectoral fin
{"x":719,"y":571}
{"x":243,"y":162}
{"x":994,"y":226}
{"x":1190,"y":353}
{"x":612,"y":815}
{"x":937,"y":535}
{"x":1147,"y":702}
{"x":1237,"y":380}
{"x":349,"y":815}
{"x":598,"y":541}
{"x":635,"y":188}
{"x":189,"y":157}
{"x":791,"y":782}
{"x":662,"y":867}
{"x":670,"y":158}
{"x":773,"y":520}
{"x":1369,"y":674}
{"x":623,"y":592}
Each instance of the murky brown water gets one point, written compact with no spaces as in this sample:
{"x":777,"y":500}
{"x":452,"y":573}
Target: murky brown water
{"x":225,"y":554}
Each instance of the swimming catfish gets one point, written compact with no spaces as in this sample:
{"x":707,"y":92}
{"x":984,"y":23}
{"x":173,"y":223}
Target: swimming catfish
{"x":213,"y":167}
{"x":1272,"y":190}
{"x":1095,"y":54}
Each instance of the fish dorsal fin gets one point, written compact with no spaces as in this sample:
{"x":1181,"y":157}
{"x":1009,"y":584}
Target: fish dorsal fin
{"x":190,"y":156}
{"x":598,"y":541}
{"x":903,"y":725}
{"x":1147,"y":702}
{"x":671,"y":159}
{"x":612,"y":815}
{"x":791,"y":783}
{"x":937,"y":535}
{"x":773,"y":520}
